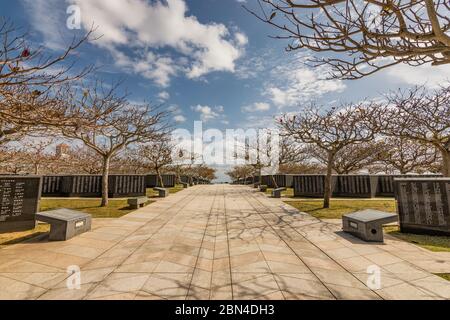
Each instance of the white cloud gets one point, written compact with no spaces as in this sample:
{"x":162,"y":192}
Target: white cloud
{"x":177,"y":113}
{"x":151,"y":66}
{"x":138,"y":25}
{"x":207,"y":113}
{"x":241,"y":38}
{"x":164,"y":95}
{"x":179,"y":118}
{"x":428,"y":75}
{"x":293,"y":83}
{"x":49,"y":25}
{"x":256,"y":107}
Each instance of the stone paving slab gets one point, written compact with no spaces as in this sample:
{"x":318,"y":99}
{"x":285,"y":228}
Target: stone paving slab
{"x":220,"y":242}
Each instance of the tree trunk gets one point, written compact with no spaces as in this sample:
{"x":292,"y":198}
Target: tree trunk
{"x":445,"y":163}
{"x":160,"y":179}
{"x":105,"y":186}
{"x":36,"y":169}
{"x":178,"y":177}
{"x":328,"y":181}
{"x":275,"y":185}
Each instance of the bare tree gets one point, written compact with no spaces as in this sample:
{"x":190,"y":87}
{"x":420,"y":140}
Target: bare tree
{"x":363,"y":36}
{"x":351,"y":158}
{"x":420,"y":116}
{"x":157,"y":155}
{"x":36,"y":155}
{"x":330,"y":131}
{"x":241,"y":172}
{"x":406,"y":156}
{"x":291,"y":151}
{"x":108,"y":123}
{"x":81,"y":159}
{"x":263,"y":153}
{"x":302,"y":168}
{"x":204,"y":172}
{"x":20,"y":64}
{"x":129,"y":161}
{"x":28,"y":78}
{"x":12,"y":161}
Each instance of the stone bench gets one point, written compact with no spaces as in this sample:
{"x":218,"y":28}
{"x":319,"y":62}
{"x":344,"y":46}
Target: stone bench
{"x":256,"y":185}
{"x":136,"y":203}
{"x":65,"y":224}
{"x":185,"y":185}
{"x":262,"y":188}
{"x":368,"y":224}
{"x":163,"y":193}
{"x":276,"y":193}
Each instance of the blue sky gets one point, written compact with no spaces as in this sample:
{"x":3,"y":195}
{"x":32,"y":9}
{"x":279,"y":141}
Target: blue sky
{"x":206,"y":60}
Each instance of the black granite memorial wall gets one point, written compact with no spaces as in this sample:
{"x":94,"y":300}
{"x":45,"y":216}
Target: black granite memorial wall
{"x":386,"y":183}
{"x":51,"y":186}
{"x":151,"y":180}
{"x":19,"y":202}
{"x":127,"y":185}
{"x":423,"y":205}
{"x":357,"y":186}
{"x":91,"y":186}
{"x":82,"y":186}
{"x":281,"y":181}
{"x":311,"y":185}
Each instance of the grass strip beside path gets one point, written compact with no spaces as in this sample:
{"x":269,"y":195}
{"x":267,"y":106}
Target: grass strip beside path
{"x":340,"y":207}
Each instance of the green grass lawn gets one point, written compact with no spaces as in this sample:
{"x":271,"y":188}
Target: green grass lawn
{"x":154,"y":194}
{"x":340,"y":207}
{"x":432,"y":243}
{"x":288,"y":193}
{"x":17,"y":237}
{"x":115,"y":209}
{"x":445,"y":276}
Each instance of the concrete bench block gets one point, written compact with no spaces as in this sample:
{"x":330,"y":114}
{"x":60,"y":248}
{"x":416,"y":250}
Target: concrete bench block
{"x":262,"y":188}
{"x":163,"y":193}
{"x":276,"y":193}
{"x":65,"y":224}
{"x":368,"y":224}
{"x":136,"y":203}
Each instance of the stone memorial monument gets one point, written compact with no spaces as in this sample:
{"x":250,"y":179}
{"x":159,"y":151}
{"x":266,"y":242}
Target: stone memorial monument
{"x":19,"y":202}
{"x":423,"y":205}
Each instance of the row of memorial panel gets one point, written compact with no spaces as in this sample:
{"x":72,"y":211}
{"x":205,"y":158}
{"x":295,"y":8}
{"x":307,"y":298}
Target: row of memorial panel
{"x":358,"y":186}
{"x":118,"y":185}
{"x":423,"y":204}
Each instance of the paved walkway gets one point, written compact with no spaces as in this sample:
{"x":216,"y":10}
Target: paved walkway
{"x":220,"y":242}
